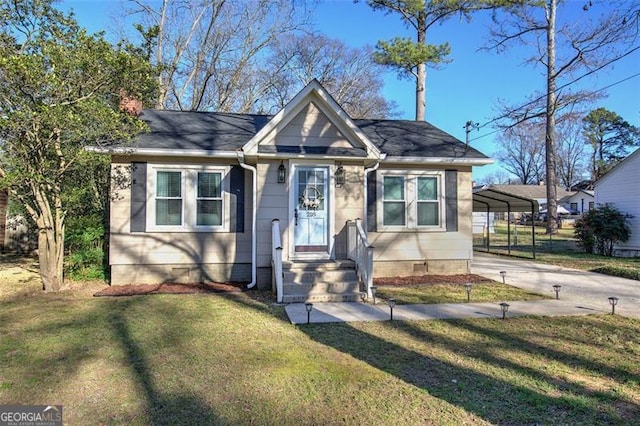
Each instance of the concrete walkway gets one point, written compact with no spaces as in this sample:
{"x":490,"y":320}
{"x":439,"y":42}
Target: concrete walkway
{"x":582,"y":293}
{"x":582,"y":288}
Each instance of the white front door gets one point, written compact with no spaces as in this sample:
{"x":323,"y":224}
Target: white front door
{"x":311,"y":211}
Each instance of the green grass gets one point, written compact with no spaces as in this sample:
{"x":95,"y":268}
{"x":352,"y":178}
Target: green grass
{"x":560,"y":249}
{"x":210,"y":359}
{"x":455,"y":293}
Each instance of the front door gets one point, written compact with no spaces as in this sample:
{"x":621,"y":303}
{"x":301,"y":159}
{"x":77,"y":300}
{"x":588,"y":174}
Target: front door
{"x":311,"y":211}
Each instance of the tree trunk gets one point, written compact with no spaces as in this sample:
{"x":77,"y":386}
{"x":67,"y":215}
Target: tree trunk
{"x":421,"y":77}
{"x":50,"y":254}
{"x":550,"y":143}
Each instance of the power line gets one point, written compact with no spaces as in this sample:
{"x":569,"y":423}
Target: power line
{"x":539,"y":98}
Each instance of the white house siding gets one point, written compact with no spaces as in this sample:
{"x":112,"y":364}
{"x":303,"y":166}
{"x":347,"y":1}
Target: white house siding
{"x":155,"y":257}
{"x":417,"y":253}
{"x":620,"y":188}
{"x":581,"y":199}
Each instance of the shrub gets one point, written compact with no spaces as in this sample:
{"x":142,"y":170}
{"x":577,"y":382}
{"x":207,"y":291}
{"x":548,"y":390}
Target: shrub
{"x":84,"y":242}
{"x":601,"y":228}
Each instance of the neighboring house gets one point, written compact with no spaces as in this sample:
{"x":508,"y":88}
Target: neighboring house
{"x":188,"y":195}
{"x":620,"y":187}
{"x":579,"y":202}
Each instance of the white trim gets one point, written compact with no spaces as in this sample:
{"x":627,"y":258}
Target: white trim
{"x":313,"y":92}
{"x":293,"y":202}
{"x":161,"y":152}
{"x":411,"y":201}
{"x":440,"y":160}
{"x":189,"y":175}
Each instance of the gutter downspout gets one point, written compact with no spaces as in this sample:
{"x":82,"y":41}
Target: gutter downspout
{"x":254,"y":215}
{"x":365,"y":221}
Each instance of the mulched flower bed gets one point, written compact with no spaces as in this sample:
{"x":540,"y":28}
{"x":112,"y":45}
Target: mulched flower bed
{"x":171,"y":288}
{"x":431,"y":279}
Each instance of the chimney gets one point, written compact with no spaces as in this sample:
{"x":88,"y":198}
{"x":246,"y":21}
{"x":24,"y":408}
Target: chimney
{"x":130,"y":104}
{"x":541,"y":183}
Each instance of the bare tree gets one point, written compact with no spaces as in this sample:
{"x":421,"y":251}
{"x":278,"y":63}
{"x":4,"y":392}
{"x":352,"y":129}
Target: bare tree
{"x":568,"y":53}
{"x":349,"y":74}
{"x":571,"y":162}
{"x":209,"y":51}
{"x":522,"y":151}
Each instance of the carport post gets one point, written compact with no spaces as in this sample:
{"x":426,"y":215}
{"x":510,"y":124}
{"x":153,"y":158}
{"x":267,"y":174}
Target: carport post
{"x":488,"y":230}
{"x":533,"y":231}
{"x":508,"y":228}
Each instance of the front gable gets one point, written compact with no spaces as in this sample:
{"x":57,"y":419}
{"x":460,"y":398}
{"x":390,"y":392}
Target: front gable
{"x":312,"y":124}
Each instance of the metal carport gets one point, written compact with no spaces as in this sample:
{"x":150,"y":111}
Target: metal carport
{"x":493,"y":201}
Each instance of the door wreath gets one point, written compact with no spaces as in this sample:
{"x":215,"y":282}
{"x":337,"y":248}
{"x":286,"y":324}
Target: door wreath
{"x":311,"y":198}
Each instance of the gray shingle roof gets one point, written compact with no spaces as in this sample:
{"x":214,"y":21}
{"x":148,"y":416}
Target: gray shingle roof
{"x":229,"y":132}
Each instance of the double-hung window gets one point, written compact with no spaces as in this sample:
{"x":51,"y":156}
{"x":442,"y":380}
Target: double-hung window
{"x":394,"y":204}
{"x":169,"y":198}
{"x":209,"y":199}
{"x":187,"y":198}
{"x":411,"y":200}
{"x":428,"y":201}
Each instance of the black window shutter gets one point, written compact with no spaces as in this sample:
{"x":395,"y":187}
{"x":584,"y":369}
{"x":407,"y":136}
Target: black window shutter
{"x":451,"y":199}
{"x":138,"y":197}
{"x":236,"y":187}
{"x":372,"y":191}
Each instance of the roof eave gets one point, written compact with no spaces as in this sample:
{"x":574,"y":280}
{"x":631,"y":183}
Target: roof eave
{"x":159,"y":152}
{"x":440,"y":160}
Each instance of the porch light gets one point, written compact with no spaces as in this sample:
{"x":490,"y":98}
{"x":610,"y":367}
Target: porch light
{"x":503,"y":274}
{"x":282,"y":172}
{"x":373,"y":293}
{"x":557,"y":288}
{"x":613,"y":301}
{"x":391,"y":302}
{"x":504,"y":307}
{"x":308,"y":307}
{"x":467,"y":288}
{"x":339,"y":175}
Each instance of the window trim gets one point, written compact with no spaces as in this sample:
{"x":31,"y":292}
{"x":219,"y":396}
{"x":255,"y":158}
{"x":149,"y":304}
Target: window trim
{"x":189,"y":182}
{"x":411,"y":201}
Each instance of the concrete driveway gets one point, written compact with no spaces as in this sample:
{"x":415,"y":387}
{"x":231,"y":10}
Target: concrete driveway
{"x":584,"y":289}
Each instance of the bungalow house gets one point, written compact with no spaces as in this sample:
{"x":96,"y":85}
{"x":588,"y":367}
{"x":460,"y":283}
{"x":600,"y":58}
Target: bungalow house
{"x":619,"y":186}
{"x":579,"y":202}
{"x":309,"y":200}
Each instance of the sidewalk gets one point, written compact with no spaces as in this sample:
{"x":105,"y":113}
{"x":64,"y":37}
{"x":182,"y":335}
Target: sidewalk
{"x":357,"y":311}
{"x":581,"y":293}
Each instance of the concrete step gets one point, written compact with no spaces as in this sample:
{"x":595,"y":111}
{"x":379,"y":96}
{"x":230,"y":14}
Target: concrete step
{"x":320,"y":281}
{"x":322,"y":287}
{"x":326,"y":297}
{"x":329,"y":276}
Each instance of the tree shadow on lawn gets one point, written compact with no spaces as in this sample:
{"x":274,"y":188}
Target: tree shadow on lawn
{"x":67,"y":335}
{"x":524,"y":396}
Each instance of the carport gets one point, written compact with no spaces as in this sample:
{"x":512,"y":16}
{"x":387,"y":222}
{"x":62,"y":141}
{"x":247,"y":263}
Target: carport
{"x":493,"y":201}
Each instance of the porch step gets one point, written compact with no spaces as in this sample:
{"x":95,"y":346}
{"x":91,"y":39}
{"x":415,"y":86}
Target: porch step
{"x":320,"y":281}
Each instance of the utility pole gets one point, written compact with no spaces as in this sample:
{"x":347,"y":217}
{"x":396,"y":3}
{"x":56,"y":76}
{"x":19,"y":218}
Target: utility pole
{"x":468,"y":126}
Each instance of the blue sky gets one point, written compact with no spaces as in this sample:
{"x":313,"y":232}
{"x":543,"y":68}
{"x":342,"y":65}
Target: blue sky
{"x":468,"y":88}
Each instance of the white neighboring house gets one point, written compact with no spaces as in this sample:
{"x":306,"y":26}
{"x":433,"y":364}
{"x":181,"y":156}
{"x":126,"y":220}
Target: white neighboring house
{"x":620,"y":188}
{"x":579,"y":202}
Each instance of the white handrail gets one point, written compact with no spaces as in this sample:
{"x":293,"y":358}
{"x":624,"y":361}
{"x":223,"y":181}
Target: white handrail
{"x":276,"y":259}
{"x":361,"y":252}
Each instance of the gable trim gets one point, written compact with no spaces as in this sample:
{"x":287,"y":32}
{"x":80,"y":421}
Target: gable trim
{"x":313,"y":92}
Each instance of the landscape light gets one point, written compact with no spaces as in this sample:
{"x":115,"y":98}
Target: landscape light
{"x":373,"y":293}
{"x":557,"y":288}
{"x":504,"y":307}
{"x":308,"y":307}
{"x":613,"y":301}
{"x":391,"y":302}
{"x":467,"y":288}
{"x":503,"y":274}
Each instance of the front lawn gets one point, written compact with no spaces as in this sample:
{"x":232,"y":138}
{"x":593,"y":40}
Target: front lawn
{"x":235,"y":359}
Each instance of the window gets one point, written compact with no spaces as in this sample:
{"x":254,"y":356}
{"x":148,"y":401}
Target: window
{"x":428,"y":201}
{"x":209,"y":199}
{"x":187,"y":198}
{"x":169,"y":198}
{"x":591,"y":205}
{"x":411,"y":200}
{"x":394,"y":204}
{"x":573,"y":207}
